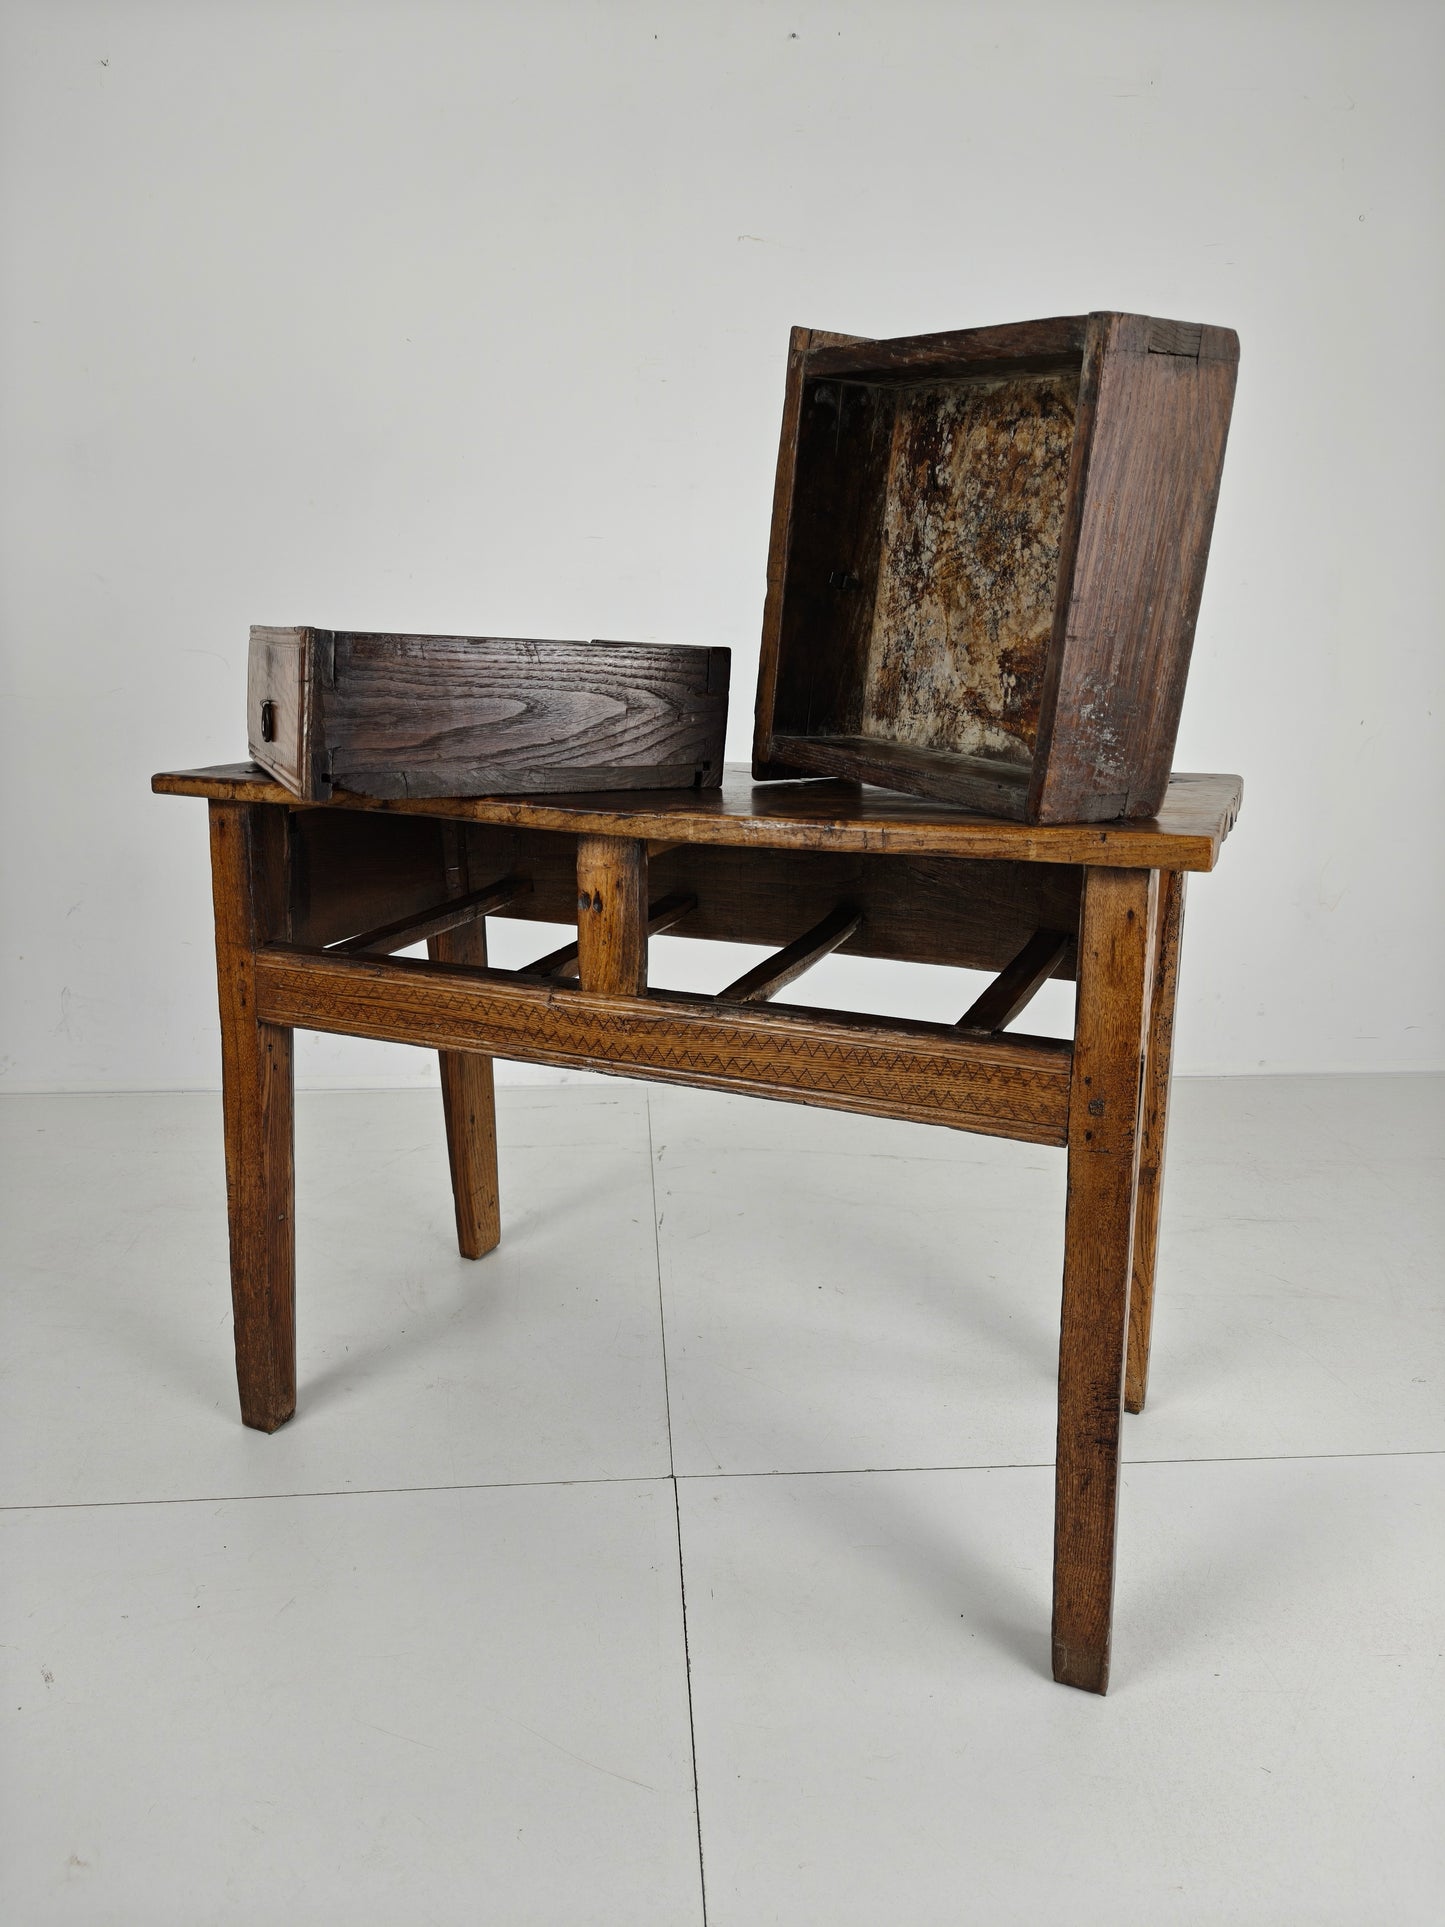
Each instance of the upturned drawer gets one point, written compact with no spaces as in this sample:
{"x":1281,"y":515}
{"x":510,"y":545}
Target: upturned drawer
{"x":402,"y":716}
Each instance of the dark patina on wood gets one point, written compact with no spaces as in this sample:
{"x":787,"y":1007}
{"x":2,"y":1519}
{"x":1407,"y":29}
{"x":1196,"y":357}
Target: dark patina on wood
{"x":988,"y":549}
{"x":394,"y":716}
{"x":973,"y":517}
{"x":1192,"y":822}
{"x":311,"y":900}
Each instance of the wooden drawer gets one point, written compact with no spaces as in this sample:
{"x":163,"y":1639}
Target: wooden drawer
{"x":398,"y":716}
{"x":987,"y":555}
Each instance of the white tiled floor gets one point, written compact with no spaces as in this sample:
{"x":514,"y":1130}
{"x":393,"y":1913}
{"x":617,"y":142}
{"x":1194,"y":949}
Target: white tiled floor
{"x":423,"y":1655}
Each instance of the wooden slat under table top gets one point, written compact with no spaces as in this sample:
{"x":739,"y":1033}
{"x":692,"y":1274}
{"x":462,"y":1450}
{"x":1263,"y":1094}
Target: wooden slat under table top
{"x":1198,"y":813}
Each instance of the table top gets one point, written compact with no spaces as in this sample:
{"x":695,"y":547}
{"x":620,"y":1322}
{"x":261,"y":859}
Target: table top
{"x":1197,"y":814}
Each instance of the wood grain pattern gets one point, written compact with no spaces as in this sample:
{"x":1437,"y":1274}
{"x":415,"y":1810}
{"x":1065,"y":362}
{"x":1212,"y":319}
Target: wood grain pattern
{"x":1148,"y":460}
{"x":469,"y":1105}
{"x":390,"y":716}
{"x":280,"y":715}
{"x":992,"y":552}
{"x":834,"y":550}
{"x":352,"y":870}
{"x":612,"y":915}
{"x":1193,"y":821}
{"x":1116,"y":941}
{"x":1013,"y":1087}
{"x":248,"y":862}
{"x":1030,"y":346}
{"x":922,"y":909}
{"x":1153,"y":1134}
{"x":801,"y":342}
{"x":289,"y":879}
{"x":925,"y":909}
{"x":973,"y":782}
{"x":563,"y":963}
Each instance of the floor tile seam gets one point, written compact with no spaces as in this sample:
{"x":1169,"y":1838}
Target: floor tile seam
{"x":1047,"y":1465}
{"x":661,"y":1305}
{"x":691,"y":1722}
{"x":658,"y":1478}
{"x":676,"y":1505}
{"x":343,"y":1492}
{"x":675,"y":1478}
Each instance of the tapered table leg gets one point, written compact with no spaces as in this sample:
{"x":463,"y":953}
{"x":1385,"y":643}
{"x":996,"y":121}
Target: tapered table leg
{"x":1116,"y":942}
{"x":1153,"y":1132}
{"x":470,"y":1107}
{"x":248,"y":873}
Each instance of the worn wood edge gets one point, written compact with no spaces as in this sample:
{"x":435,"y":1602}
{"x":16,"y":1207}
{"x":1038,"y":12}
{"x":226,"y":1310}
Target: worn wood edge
{"x":1119,"y":350}
{"x":257,"y":1097}
{"x":1116,"y":942}
{"x":1018,"y":983}
{"x":785,"y":966}
{"x":469,"y":1104}
{"x":437,"y":920}
{"x":1057,"y":340}
{"x":1095,"y":347}
{"x":311,"y":782}
{"x":1153,"y":1136}
{"x":780,"y":535}
{"x":1141,"y":845}
{"x":612,"y":903}
{"x":664,"y":914}
{"x":970,"y":782}
{"x":1014,"y":1087}
{"x":464,"y":781}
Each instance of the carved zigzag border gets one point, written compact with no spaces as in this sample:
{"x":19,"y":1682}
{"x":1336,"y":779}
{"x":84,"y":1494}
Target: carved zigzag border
{"x":943,"y":1079}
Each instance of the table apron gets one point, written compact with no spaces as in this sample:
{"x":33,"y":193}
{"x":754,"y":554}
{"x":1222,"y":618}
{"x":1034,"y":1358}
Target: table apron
{"x":1014,"y":1087}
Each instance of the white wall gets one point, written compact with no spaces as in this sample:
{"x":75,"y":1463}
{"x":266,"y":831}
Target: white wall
{"x":472,"y":317}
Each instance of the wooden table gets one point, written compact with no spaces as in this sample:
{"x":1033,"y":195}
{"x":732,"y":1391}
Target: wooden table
{"x":311,"y":902}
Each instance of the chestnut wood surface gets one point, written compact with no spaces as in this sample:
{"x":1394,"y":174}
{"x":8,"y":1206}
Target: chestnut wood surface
{"x":406,"y":715}
{"x":775,"y":973}
{"x":1019,"y":982}
{"x":470,"y":1110}
{"x":1149,"y":455}
{"x":986,"y":559}
{"x":1116,"y":945}
{"x":447,"y":915}
{"x":1153,"y":1132}
{"x":801,"y":343}
{"x":1013,"y":1086}
{"x":248,"y":877}
{"x":926,"y":909}
{"x":612,"y":915}
{"x":814,"y":867}
{"x":1038,"y":346}
{"x":469,"y":1105}
{"x":1195,"y":817}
